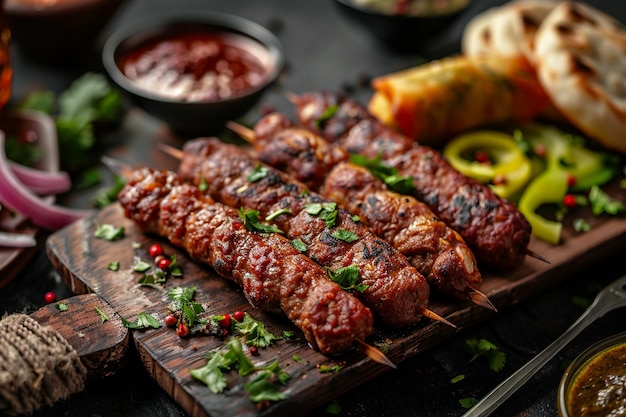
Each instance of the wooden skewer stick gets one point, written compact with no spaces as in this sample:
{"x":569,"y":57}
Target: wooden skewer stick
{"x":374,"y":353}
{"x":536,"y":256}
{"x":434,"y":316}
{"x":246,"y":134}
{"x":481,"y":299}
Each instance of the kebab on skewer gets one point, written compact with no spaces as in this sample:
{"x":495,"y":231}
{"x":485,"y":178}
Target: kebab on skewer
{"x":493,"y":228}
{"x":274,"y":275}
{"x":437,"y":251}
{"x":385,"y":281}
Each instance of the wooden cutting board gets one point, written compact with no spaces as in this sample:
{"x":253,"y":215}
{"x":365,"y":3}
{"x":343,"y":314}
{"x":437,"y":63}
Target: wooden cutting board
{"x":82,"y":261}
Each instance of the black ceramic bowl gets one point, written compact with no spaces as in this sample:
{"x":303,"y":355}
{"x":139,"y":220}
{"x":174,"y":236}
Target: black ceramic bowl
{"x":402,"y":32}
{"x":196,"y":116}
{"x":59,"y":32}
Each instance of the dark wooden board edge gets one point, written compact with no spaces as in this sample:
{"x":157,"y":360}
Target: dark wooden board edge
{"x":79,"y":259}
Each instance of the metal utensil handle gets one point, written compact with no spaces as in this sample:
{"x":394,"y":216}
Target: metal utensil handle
{"x":502,"y":392}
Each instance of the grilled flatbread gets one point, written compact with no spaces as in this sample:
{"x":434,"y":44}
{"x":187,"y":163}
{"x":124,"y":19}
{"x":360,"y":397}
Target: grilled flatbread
{"x":506,"y":30}
{"x":580,"y":58}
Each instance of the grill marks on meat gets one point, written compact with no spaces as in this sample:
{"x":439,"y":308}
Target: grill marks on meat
{"x":273,"y":274}
{"x":494,"y":229}
{"x":433,"y":248}
{"x":397,"y":293}
{"x":430,"y":245}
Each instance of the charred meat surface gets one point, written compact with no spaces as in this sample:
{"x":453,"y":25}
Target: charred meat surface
{"x":494,"y":229}
{"x":273,"y":274}
{"x":394,"y":290}
{"x":433,"y":248}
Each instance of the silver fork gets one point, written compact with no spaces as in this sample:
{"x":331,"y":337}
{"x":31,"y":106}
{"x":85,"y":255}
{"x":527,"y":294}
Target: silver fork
{"x":611,"y":297}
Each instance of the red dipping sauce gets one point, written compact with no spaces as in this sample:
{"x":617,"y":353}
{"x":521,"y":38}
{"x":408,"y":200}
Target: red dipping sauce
{"x":198,"y":66}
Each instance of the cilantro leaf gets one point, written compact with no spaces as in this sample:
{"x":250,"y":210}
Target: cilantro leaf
{"x":603,"y":203}
{"x":109,"y":232}
{"x":326,"y":211}
{"x":329,"y":112}
{"x":252,"y":222}
{"x":109,"y":194}
{"x":144,"y":321}
{"x":347,"y":278}
{"x":103,"y":317}
{"x":211,"y":373}
{"x":299,"y":245}
{"x":255,"y":332}
{"x":388,"y":175}
{"x":468,"y":402}
{"x":258,"y":173}
{"x":345,"y":235}
{"x":496,"y":359}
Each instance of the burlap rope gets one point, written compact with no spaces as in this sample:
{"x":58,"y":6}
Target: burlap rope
{"x":37,"y":366}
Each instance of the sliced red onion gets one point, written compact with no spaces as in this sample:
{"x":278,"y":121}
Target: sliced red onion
{"x":16,"y":240}
{"x":19,"y":198}
{"x":41,"y":182}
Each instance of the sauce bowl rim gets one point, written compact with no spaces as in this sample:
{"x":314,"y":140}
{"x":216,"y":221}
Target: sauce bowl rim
{"x":217,"y":21}
{"x":579,"y":363}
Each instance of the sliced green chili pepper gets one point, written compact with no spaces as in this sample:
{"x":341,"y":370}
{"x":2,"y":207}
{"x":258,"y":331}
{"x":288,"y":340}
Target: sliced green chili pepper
{"x":508,"y":169}
{"x":549,"y":187}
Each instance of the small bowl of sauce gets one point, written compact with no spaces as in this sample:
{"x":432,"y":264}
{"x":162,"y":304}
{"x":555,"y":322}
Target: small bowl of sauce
{"x":595,"y":382}
{"x":402,"y":25}
{"x":194,"y":70}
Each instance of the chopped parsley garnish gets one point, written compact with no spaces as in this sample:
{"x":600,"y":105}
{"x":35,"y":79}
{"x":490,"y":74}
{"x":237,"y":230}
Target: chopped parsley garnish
{"x":174,"y":269}
{"x":183,"y":300}
{"x":603,"y":203}
{"x":457,"y":378}
{"x":299,"y":245}
{"x":329,"y":112}
{"x":61,"y":307}
{"x":581,"y":225}
{"x":325,"y":211}
{"x":254,"y":332}
{"x":103,"y":317}
{"x":277,"y":213}
{"x":333,"y":408}
{"x":345,"y":235}
{"x":203,"y":185}
{"x":347,"y":278}
{"x":258,"y":173}
{"x":385,"y":173}
{"x":325,"y":369}
{"x":482,"y":347}
{"x":252,"y":222}
{"x":89,"y":100}
{"x":141,"y":266}
{"x":260,"y":386}
{"x":144,"y":321}
{"x":109,"y":232}
{"x":114,"y":266}
{"x":468,"y":402}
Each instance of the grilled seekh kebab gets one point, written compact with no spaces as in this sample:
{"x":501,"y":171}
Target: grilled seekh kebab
{"x":381,"y":277}
{"x":437,"y":251}
{"x":274,"y":275}
{"x":493,"y":228}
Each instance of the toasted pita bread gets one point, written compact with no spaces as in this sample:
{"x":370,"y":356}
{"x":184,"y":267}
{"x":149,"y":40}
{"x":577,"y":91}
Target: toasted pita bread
{"x":506,"y":30}
{"x":581,"y":61}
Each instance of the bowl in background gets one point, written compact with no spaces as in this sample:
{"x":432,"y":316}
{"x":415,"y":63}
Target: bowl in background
{"x":597,"y":374}
{"x":58,"y":31}
{"x":402,"y":31}
{"x":194,"y":70}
